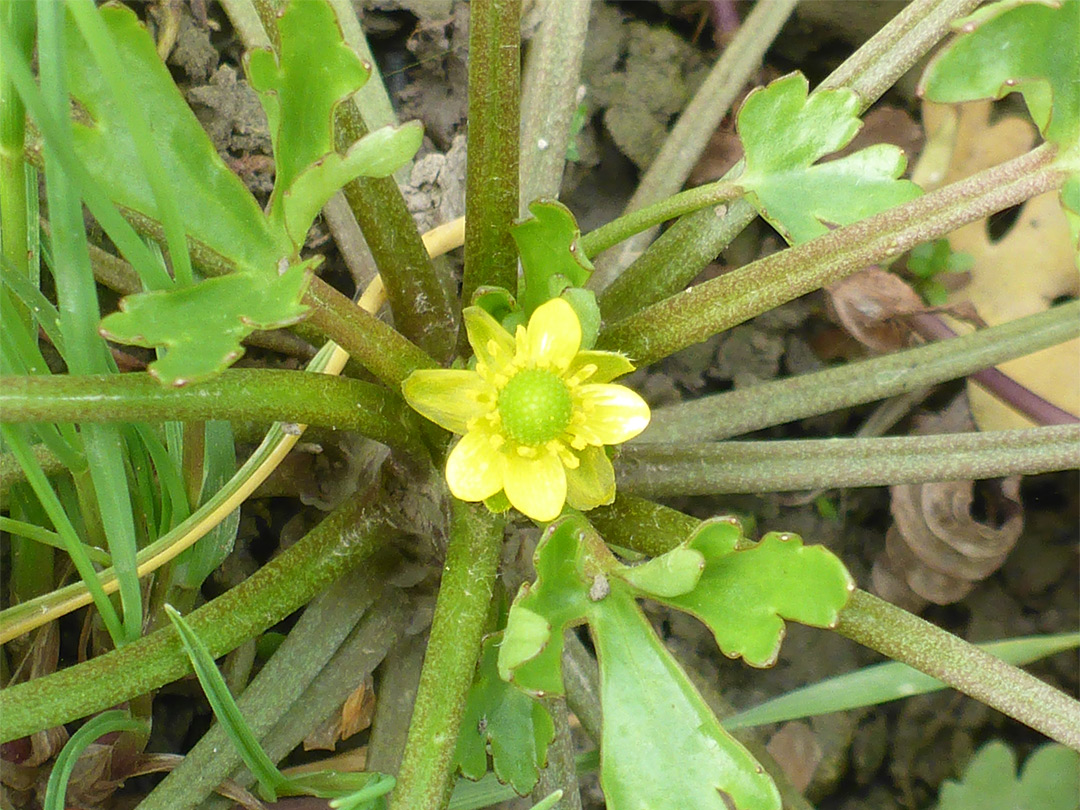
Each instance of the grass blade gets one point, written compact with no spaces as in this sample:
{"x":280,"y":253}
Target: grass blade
{"x":881,"y":683}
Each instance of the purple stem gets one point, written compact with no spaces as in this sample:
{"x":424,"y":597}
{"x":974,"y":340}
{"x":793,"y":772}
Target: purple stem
{"x":1000,"y":385}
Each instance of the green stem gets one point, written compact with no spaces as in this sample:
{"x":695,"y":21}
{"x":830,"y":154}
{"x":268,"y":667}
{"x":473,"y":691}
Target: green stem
{"x":346,"y":537}
{"x":904,"y":637}
{"x":421,"y":301}
{"x":256,"y":395}
{"x":883,"y":627}
{"x":674,"y":259}
{"x":376,"y":345}
{"x":688,"y":138}
{"x":658,"y":470}
{"x":491,"y":185}
{"x":695,"y":314}
{"x":318,"y":634}
{"x":684,"y":202}
{"x":424,"y":781}
{"x":891,"y":52}
{"x":549,"y":87}
{"x":773,"y":403}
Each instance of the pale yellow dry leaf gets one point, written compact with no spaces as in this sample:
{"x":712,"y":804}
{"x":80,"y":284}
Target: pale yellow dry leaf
{"x":1018,"y":275}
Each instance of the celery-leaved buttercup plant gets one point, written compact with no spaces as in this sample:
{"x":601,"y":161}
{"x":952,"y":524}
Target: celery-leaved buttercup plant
{"x":532,"y":396}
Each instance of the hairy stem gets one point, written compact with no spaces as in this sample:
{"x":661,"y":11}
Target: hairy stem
{"x":685,"y":202}
{"x":421,"y":301}
{"x":424,"y":781}
{"x":658,"y":470}
{"x":695,"y":314}
{"x":776,"y":402}
{"x":346,"y":537}
{"x":257,"y":395}
{"x":491,"y":187}
{"x":904,"y":637}
{"x":549,"y":89}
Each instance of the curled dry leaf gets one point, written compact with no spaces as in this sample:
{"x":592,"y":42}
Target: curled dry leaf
{"x":870,"y":305}
{"x":1021,"y":273}
{"x":354,"y":716}
{"x":946,"y":536}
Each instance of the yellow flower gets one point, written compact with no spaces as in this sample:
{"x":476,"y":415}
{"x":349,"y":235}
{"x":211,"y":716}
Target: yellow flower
{"x":534,"y":415}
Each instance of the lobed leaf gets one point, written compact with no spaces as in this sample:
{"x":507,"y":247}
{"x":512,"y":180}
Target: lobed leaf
{"x":1050,"y":780}
{"x":661,"y":745}
{"x":300,"y":88}
{"x":201,"y":326}
{"x":784,"y":131}
{"x":1016,"y":46}
{"x":517,"y":728}
{"x":550,"y":257}
{"x":745,"y":593}
{"x":217,"y":208}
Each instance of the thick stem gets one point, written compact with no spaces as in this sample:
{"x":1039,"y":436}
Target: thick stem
{"x":659,"y":470}
{"x":424,"y":781}
{"x":346,"y":537}
{"x":904,"y":637}
{"x":891,"y":52}
{"x":421,"y":301}
{"x":776,"y":402}
{"x":491,"y":187}
{"x":549,"y":88}
{"x":695,"y":314}
{"x":886,"y":628}
{"x":257,"y":395}
{"x":310,"y":645}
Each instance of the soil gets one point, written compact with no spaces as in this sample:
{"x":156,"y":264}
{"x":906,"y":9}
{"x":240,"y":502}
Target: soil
{"x":643,"y":62}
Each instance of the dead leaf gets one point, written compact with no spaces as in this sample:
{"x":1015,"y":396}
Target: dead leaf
{"x":946,"y":536}
{"x":354,"y":716}
{"x":1019,"y":274}
{"x":798,"y":753}
{"x":870,"y":305}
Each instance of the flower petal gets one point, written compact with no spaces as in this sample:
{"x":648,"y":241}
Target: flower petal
{"x":592,"y":483}
{"x":613,"y":413}
{"x":493,"y":345}
{"x":475,"y":467}
{"x":609,"y":365}
{"x":448,"y":397}
{"x":536,"y":487}
{"x":554,"y":334}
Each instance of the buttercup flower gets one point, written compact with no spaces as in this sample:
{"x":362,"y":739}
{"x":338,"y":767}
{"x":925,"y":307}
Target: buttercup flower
{"x":534,"y":415}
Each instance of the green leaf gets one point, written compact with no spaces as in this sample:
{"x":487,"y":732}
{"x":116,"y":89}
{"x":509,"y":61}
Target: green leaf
{"x":202,"y":326}
{"x":216,"y":207}
{"x":1031,"y":48}
{"x":299,"y":90}
{"x":880,"y":683}
{"x":94,"y":728}
{"x":271,"y":781}
{"x":784,"y":132}
{"x":1050,"y":780}
{"x":745,"y":594}
{"x":517,"y":728}
{"x":550,"y":257}
{"x":661,"y":746}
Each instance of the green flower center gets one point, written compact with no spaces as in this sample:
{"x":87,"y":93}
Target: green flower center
{"x":535,"y":406}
